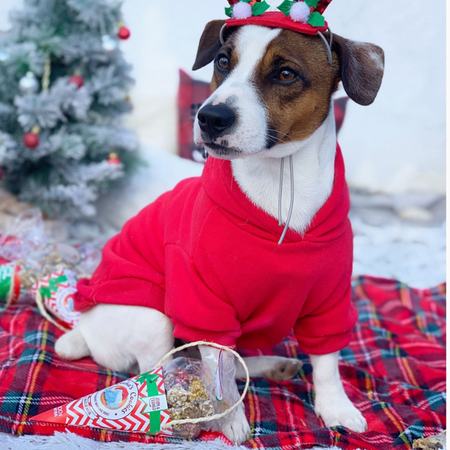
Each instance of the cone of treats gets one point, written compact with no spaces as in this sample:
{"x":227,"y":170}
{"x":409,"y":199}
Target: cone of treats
{"x":56,"y":293}
{"x":177,"y":399}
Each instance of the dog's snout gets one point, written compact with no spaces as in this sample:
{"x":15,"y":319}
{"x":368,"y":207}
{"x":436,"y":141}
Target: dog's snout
{"x":214,"y":120}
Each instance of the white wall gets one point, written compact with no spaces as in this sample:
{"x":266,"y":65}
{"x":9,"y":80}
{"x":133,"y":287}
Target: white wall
{"x":395,"y":145}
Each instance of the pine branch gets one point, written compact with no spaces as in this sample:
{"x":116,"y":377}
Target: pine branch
{"x":98,"y":14}
{"x":38,"y":110}
{"x":74,"y":102}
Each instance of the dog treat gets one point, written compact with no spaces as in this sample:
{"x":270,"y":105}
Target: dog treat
{"x":57,"y":292}
{"x":187,"y":396}
{"x":432,"y":442}
{"x":52,"y":258}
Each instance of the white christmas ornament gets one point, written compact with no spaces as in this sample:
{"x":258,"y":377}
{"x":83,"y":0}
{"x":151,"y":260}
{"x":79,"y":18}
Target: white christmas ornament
{"x":242,"y":10}
{"x":109,"y":44}
{"x":28,"y":84}
{"x":300,"y":12}
{"x":4,"y":55}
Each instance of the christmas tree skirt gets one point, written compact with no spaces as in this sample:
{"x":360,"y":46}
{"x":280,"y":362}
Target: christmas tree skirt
{"x":394,"y":371}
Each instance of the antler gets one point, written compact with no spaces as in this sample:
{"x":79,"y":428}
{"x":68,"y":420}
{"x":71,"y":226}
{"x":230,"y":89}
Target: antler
{"x":323,"y":5}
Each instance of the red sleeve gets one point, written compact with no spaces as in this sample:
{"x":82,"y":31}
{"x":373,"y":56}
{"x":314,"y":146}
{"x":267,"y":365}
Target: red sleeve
{"x":132,"y":268}
{"x":327,"y":328}
{"x":192,"y":304}
{"x":329,"y":315}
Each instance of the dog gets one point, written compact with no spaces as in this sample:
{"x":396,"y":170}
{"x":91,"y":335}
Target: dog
{"x":271,"y":103}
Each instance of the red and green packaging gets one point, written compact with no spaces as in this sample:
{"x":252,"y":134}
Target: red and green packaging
{"x":9,"y":284}
{"x":57,"y":292}
{"x":138,"y":404}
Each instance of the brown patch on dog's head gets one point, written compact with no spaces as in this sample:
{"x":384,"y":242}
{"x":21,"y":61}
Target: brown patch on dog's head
{"x":296,"y":109}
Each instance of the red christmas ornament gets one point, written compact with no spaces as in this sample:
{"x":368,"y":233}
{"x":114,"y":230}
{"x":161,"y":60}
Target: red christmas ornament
{"x":31,"y":140}
{"x":113,"y":159}
{"x":77,"y":80}
{"x":124,"y":33}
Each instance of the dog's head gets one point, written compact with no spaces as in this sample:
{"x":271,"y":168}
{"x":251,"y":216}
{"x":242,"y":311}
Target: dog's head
{"x":273,"y":86}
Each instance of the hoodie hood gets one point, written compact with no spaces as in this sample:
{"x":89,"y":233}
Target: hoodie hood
{"x":328,"y":223}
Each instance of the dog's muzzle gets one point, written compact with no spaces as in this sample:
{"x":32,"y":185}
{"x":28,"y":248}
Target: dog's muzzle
{"x":215,"y":120}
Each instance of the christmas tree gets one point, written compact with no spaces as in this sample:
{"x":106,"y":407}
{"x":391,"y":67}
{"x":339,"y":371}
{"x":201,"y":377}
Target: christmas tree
{"x":64,"y":87}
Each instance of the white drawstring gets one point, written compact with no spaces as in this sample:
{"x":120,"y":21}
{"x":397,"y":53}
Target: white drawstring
{"x":280,"y":197}
{"x":280,"y":194}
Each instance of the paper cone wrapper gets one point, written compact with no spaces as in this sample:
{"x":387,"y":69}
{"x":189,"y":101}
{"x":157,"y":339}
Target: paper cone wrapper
{"x":57,"y":291}
{"x":136,"y":405}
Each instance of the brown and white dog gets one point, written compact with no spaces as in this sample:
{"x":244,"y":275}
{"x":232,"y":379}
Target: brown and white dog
{"x":272,"y":98}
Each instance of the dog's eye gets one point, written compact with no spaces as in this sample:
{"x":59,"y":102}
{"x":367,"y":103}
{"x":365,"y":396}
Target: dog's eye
{"x":223,"y":63}
{"x":286,"y":75}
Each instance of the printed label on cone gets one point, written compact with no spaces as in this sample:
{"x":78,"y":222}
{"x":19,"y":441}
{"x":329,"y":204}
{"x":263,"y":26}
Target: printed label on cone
{"x":136,"y":405}
{"x":113,"y":403}
{"x":58,"y":292}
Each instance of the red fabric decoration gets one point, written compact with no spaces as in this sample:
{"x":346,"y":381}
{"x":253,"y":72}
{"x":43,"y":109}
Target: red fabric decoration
{"x":323,"y":5}
{"x":124,"y":33}
{"x":276,"y":19}
{"x":190,"y":273}
{"x":31,"y":140}
{"x":77,"y":80}
{"x":191,"y":95}
{"x":340,"y":106}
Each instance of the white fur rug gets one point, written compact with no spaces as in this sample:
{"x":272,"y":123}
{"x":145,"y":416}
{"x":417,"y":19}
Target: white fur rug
{"x":70,"y":441}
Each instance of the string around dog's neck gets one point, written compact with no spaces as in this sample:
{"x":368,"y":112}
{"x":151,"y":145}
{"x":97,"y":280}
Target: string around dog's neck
{"x":280,"y":196}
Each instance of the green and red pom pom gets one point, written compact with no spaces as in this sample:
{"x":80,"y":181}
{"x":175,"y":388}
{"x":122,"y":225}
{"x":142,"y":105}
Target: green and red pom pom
{"x":243,"y":9}
{"x":303,"y":11}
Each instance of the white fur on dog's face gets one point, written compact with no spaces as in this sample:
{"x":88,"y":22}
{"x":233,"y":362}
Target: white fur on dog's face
{"x":248,"y":135}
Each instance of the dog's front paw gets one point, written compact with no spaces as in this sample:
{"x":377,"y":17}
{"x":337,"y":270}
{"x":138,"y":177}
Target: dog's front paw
{"x":338,"y":410}
{"x":237,"y":429}
{"x":72,"y":346}
{"x":284,"y":369}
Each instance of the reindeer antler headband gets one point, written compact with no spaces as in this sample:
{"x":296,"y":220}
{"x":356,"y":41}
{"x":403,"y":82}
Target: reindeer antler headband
{"x":302,"y":16}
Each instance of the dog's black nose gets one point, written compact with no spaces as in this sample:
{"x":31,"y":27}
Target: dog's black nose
{"x":214,"y":120}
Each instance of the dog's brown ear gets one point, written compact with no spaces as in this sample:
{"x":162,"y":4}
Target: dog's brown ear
{"x":209,"y":44}
{"x":361,"y":68}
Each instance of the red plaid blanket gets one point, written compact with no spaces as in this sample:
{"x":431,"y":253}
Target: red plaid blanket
{"x":393,"y":370}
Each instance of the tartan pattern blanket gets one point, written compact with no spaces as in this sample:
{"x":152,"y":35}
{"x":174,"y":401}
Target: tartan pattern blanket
{"x":393,"y":370}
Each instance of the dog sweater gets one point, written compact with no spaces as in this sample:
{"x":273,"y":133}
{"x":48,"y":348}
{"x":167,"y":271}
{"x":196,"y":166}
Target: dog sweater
{"x":208,"y":258}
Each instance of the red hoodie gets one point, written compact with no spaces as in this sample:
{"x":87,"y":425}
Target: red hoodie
{"x":209,"y":259}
